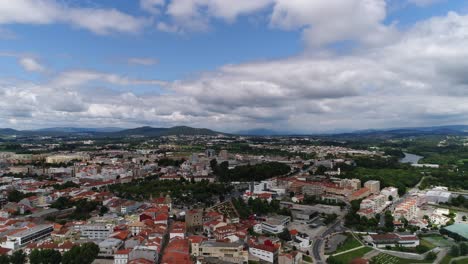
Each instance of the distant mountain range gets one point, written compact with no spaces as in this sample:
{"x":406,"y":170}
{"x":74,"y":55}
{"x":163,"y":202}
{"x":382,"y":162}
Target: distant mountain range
{"x":148,"y":131}
{"x":384,"y":133}
{"x":111,"y":131}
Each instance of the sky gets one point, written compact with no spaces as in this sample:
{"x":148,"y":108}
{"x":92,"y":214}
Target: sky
{"x":288,"y":65}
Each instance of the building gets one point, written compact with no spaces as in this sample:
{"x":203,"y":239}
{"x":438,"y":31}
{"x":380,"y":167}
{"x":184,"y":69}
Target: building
{"x":313,"y":190}
{"x":228,"y":252}
{"x":177,"y":229}
{"x":360,"y":194}
{"x":224,"y":231}
{"x":303,"y":214}
{"x":354,"y":184}
{"x":275,"y":224}
{"x":406,"y":209}
{"x":390,"y":192}
{"x":122,"y":256}
{"x":373,"y":186}
{"x":440,"y":216}
{"x":96,"y":231}
{"x":109,"y":247}
{"x":456,"y":231}
{"x":194,"y":220}
{"x":136,"y":227}
{"x":265,"y":253}
{"x":67,"y":158}
{"x":27,"y":236}
{"x":374,"y":202}
{"x":436,"y":196}
{"x":393,"y":240}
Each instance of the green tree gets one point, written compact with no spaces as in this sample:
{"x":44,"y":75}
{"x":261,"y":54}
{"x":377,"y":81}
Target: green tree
{"x":4,"y":259}
{"x":431,"y":256}
{"x":45,"y":256}
{"x":455,"y":251}
{"x":285,"y":235}
{"x":83,"y":254}
{"x":18,"y":257}
{"x":389,"y":226}
{"x":463,"y":249}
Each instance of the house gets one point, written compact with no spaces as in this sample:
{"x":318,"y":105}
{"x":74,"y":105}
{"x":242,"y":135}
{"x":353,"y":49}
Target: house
{"x":275,"y":224}
{"x":109,"y":247}
{"x":177,"y":229}
{"x":228,"y":252}
{"x":268,"y":253}
{"x":393,"y":240}
{"x":224,"y":231}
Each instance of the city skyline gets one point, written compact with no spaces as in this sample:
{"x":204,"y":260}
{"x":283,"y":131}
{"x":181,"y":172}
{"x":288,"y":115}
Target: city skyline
{"x":275,"y":64}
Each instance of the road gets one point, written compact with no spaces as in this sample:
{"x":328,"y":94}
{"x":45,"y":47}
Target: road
{"x":318,"y":244}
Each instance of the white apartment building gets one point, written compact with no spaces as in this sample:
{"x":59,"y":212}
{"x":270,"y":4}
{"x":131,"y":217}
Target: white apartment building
{"x":407,"y":209}
{"x":354,"y":184}
{"x":373,"y":186}
{"x":390,"y":191}
{"x":96,"y":231}
{"x":265,"y":253}
{"x":275,"y":224}
{"x":27,"y":236}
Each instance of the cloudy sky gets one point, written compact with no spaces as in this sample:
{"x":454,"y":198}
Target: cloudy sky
{"x":288,"y":65}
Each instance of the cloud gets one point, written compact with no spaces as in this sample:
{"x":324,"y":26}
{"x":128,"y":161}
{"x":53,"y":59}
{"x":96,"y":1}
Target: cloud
{"x":142,"y":61}
{"x":321,"y":21}
{"x":96,"y":20}
{"x":31,"y":65}
{"x":196,"y":15}
{"x":418,"y":79}
{"x":77,"y":78}
{"x":325,"y":22}
{"x":152,"y":6}
{"x":424,"y":3}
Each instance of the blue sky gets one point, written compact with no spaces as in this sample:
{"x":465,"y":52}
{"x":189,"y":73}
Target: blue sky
{"x":338,"y":64}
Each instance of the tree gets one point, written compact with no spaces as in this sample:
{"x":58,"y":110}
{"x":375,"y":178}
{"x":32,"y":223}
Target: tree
{"x":4,"y":259}
{"x":19,"y":257}
{"x":103,"y":210}
{"x":45,"y":256}
{"x":463,"y":249}
{"x":455,"y":251}
{"x":431,"y":256}
{"x":464,"y":218}
{"x":390,"y":198}
{"x":83,"y":254}
{"x":285,"y":235}
{"x":389,"y":226}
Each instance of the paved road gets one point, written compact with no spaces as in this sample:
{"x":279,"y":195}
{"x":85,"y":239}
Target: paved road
{"x":317,"y":247}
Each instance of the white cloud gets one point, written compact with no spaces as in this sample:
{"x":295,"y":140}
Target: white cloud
{"x":196,"y":15}
{"x":142,"y":61}
{"x":322,"y":21}
{"x":31,"y":64}
{"x":80,"y":77}
{"x":99,"y":21}
{"x":328,"y":21}
{"x":424,"y":3}
{"x":417,"y":80}
{"x":152,"y":6}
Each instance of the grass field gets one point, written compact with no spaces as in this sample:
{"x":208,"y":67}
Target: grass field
{"x":388,"y":259}
{"x":427,"y":243}
{"x":438,"y":241}
{"x":349,"y":243}
{"x":347,"y":257}
{"x":446,"y":259}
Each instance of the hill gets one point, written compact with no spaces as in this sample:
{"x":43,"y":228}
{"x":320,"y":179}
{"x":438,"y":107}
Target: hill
{"x":171,"y":131}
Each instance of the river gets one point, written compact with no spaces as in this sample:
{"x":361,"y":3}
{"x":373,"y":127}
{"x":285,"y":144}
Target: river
{"x":411,"y":158}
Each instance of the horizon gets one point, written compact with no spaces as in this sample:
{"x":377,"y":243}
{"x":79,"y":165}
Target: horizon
{"x":280,"y":65}
{"x":263,"y":131}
